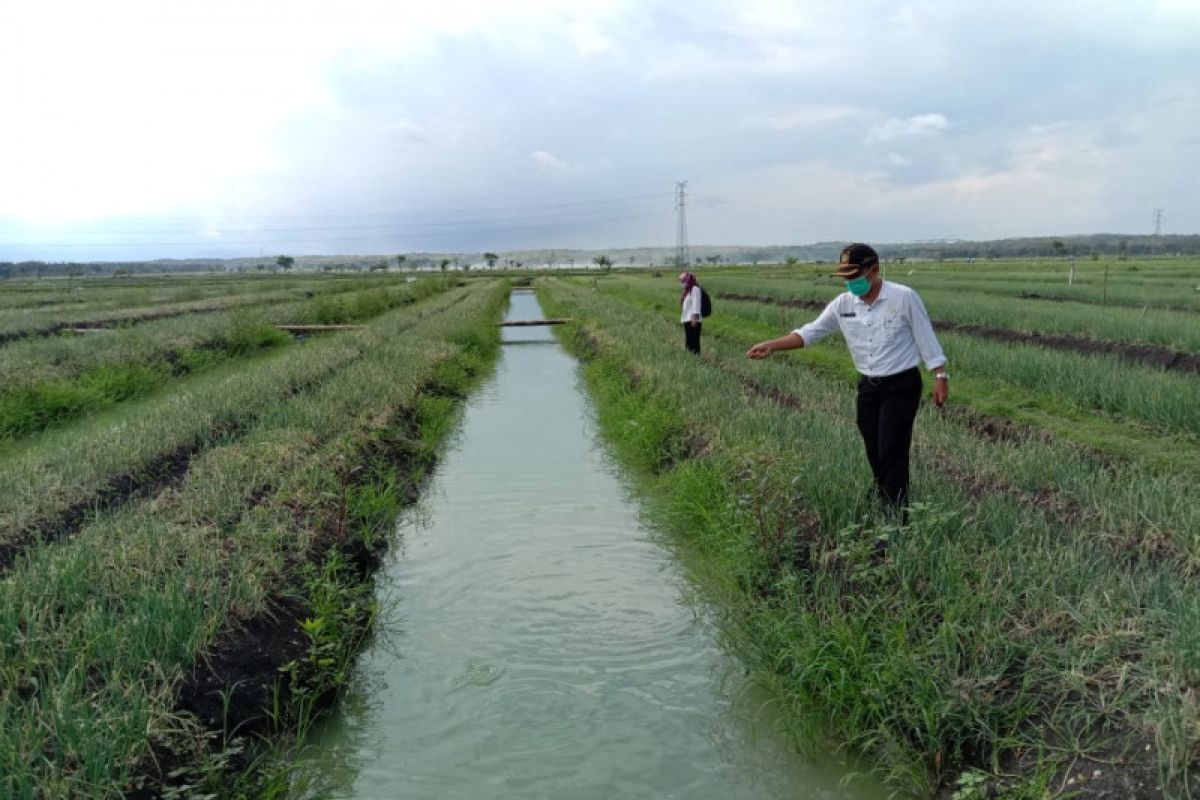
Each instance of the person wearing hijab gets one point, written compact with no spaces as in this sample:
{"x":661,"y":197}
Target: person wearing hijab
{"x":689,"y":316}
{"x":888,"y":333}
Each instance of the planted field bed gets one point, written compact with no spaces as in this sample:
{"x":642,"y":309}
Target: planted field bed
{"x":1033,"y":630}
{"x":114,"y":293}
{"x":45,"y":381}
{"x":188,"y":574}
{"x":1100,"y":400}
{"x":1155,"y":283}
{"x":140,"y":307}
{"x":1171,"y":330}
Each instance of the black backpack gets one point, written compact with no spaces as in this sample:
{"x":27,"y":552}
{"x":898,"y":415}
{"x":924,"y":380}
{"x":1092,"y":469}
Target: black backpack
{"x":705,"y":303}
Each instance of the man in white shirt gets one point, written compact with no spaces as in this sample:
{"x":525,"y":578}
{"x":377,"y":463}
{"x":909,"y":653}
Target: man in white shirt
{"x":888,"y":332}
{"x":691,"y":303}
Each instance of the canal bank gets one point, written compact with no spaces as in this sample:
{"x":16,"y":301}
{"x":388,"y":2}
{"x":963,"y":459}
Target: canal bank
{"x":541,"y":644}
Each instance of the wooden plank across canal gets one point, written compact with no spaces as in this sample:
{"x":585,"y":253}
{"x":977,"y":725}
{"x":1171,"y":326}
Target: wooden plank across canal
{"x":513,"y":323}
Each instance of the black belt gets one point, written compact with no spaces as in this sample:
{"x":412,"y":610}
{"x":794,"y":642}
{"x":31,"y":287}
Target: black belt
{"x":884,"y":380}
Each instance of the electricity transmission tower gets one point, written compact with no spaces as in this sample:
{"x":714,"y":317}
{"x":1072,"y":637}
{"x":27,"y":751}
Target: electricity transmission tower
{"x":1158,"y":218}
{"x":682,"y":258}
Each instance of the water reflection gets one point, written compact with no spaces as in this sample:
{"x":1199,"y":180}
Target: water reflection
{"x":541,"y":646}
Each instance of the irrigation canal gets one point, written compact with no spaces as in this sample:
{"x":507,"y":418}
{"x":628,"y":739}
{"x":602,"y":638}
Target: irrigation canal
{"x":541,"y":644}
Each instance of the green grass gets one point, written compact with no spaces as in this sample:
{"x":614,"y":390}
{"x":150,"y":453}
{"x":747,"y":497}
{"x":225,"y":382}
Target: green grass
{"x":98,"y":631}
{"x":74,"y":463}
{"x":1031,"y":606}
{"x":50,"y":382}
{"x":1123,"y":410}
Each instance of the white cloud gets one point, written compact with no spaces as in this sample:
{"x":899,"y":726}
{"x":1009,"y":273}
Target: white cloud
{"x":547,"y":160}
{"x":588,"y":39}
{"x":407,"y":131}
{"x":919,"y":125}
{"x":807,"y":117}
{"x":1047,"y":116}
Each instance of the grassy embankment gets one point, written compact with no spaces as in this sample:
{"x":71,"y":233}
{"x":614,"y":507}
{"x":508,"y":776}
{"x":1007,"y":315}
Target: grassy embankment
{"x":171,"y":631}
{"x":1035,"y":623}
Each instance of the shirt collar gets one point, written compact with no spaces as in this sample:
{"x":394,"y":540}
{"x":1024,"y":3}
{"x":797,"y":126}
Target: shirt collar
{"x":884,"y":291}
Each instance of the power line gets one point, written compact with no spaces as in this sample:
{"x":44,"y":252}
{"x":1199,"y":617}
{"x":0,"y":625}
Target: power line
{"x":484,"y":230}
{"x":556,"y":218}
{"x":385,"y":218}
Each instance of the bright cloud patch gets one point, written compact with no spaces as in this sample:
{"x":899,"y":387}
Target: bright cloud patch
{"x":548,"y":161}
{"x":808,"y":117}
{"x":920,"y":125}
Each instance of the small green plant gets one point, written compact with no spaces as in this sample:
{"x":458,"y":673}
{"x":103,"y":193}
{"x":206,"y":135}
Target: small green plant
{"x":971,"y":785}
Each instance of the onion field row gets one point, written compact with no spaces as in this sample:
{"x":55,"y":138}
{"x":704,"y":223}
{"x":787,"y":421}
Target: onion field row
{"x":1035,"y":618}
{"x":295,"y":465}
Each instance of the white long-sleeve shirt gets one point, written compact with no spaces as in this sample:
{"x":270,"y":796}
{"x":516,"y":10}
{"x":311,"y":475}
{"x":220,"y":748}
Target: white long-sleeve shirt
{"x":691,"y":305}
{"x":888,"y":336}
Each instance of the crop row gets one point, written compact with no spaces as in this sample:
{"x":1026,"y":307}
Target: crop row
{"x":53,"y":480}
{"x":1038,"y":603}
{"x":1134,"y":402}
{"x":102,"y":633}
{"x":45,"y":381}
{"x":110,"y":294}
{"x":20,"y":323}
{"x":1172,"y":329}
{"x":1155,"y":283}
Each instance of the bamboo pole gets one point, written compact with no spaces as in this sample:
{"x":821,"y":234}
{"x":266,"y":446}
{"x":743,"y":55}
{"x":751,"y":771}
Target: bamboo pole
{"x":314,"y":328}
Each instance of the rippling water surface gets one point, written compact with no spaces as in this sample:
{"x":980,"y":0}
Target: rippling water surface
{"x":540,"y":646}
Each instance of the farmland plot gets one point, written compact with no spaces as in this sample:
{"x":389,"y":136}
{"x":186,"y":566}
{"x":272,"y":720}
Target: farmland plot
{"x":192,"y":566}
{"x":1032,"y":627}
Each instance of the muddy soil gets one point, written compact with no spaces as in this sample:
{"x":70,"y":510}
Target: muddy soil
{"x":235,"y":685}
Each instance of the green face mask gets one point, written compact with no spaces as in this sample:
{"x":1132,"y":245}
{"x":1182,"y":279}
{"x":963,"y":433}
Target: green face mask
{"x":858,"y":286}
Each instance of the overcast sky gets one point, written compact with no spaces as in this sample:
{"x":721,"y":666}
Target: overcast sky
{"x":152,"y":128}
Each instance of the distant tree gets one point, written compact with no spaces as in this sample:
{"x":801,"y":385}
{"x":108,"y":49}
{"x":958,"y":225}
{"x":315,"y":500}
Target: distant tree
{"x":443,"y":264}
{"x":379,"y":266}
{"x":1122,"y":250}
{"x":400,"y":261}
{"x":491,"y":259}
{"x":791,"y":261}
{"x":285,"y":262}
{"x":604,"y":262}
{"x":1058,"y":246}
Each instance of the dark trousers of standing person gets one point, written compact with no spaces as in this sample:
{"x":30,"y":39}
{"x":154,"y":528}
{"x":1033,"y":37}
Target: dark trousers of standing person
{"x":691,"y":337}
{"x":887,"y":408}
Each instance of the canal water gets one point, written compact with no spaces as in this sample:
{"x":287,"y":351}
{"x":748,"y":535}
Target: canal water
{"x":539,"y":643}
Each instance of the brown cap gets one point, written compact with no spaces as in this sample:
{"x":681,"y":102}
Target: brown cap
{"x":854,"y":258}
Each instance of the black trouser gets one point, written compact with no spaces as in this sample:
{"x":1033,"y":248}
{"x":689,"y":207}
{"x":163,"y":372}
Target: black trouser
{"x":886,"y":409}
{"x":691,"y":337}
